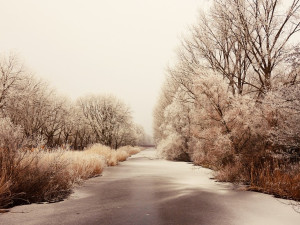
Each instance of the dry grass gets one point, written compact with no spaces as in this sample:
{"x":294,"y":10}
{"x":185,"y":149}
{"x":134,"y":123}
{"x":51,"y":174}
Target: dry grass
{"x":122,"y":155}
{"x":109,"y":154}
{"x":267,"y":175}
{"x":5,"y":193}
{"x":82,"y":166}
{"x":50,"y":175}
{"x":113,"y":157}
{"x":281,"y":180}
{"x":35,"y":177}
{"x":130,"y":150}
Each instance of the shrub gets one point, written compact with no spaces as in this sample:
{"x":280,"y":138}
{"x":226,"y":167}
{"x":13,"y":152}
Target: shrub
{"x":172,"y":148}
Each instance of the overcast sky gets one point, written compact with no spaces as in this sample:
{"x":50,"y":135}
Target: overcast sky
{"x":99,"y":46}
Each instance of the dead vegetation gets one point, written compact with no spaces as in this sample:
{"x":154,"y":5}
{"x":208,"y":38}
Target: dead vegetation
{"x":40,"y":175}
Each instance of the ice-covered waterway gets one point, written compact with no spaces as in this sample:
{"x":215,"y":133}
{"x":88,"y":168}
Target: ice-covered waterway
{"x":147,"y":190}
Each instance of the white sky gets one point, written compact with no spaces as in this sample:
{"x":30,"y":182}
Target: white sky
{"x":99,"y":46}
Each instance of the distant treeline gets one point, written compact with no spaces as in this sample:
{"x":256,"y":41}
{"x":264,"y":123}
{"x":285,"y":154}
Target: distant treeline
{"x":45,"y":118}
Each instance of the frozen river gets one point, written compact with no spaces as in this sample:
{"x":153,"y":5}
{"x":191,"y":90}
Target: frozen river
{"x":147,"y":190}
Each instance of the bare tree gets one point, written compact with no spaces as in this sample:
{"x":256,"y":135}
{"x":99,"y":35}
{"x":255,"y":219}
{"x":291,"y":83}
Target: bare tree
{"x":244,"y":41}
{"x":108,"y":117}
{"x":215,"y":46}
{"x":31,"y":109}
{"x":12,"y":74}
{"x":262,"y":28}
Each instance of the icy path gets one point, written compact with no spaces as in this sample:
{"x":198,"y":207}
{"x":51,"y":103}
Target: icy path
{"x":145,"y":190}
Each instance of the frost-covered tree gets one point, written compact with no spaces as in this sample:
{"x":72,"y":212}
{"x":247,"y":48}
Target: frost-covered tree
{"x":245,"y":41}
{"x":109,"y":118}
{"x":168,"y":90}
{"x":284,"y":104}
{"x":176,"y":128}
{"x":235,"y":105}
{"x":263,"y":29}
{"x":12,"y":75}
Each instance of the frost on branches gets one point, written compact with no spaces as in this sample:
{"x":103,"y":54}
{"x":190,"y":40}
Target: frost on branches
{"x":176,"y":129}
{"x":284,"y":103}
{"x":232,"y":99}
